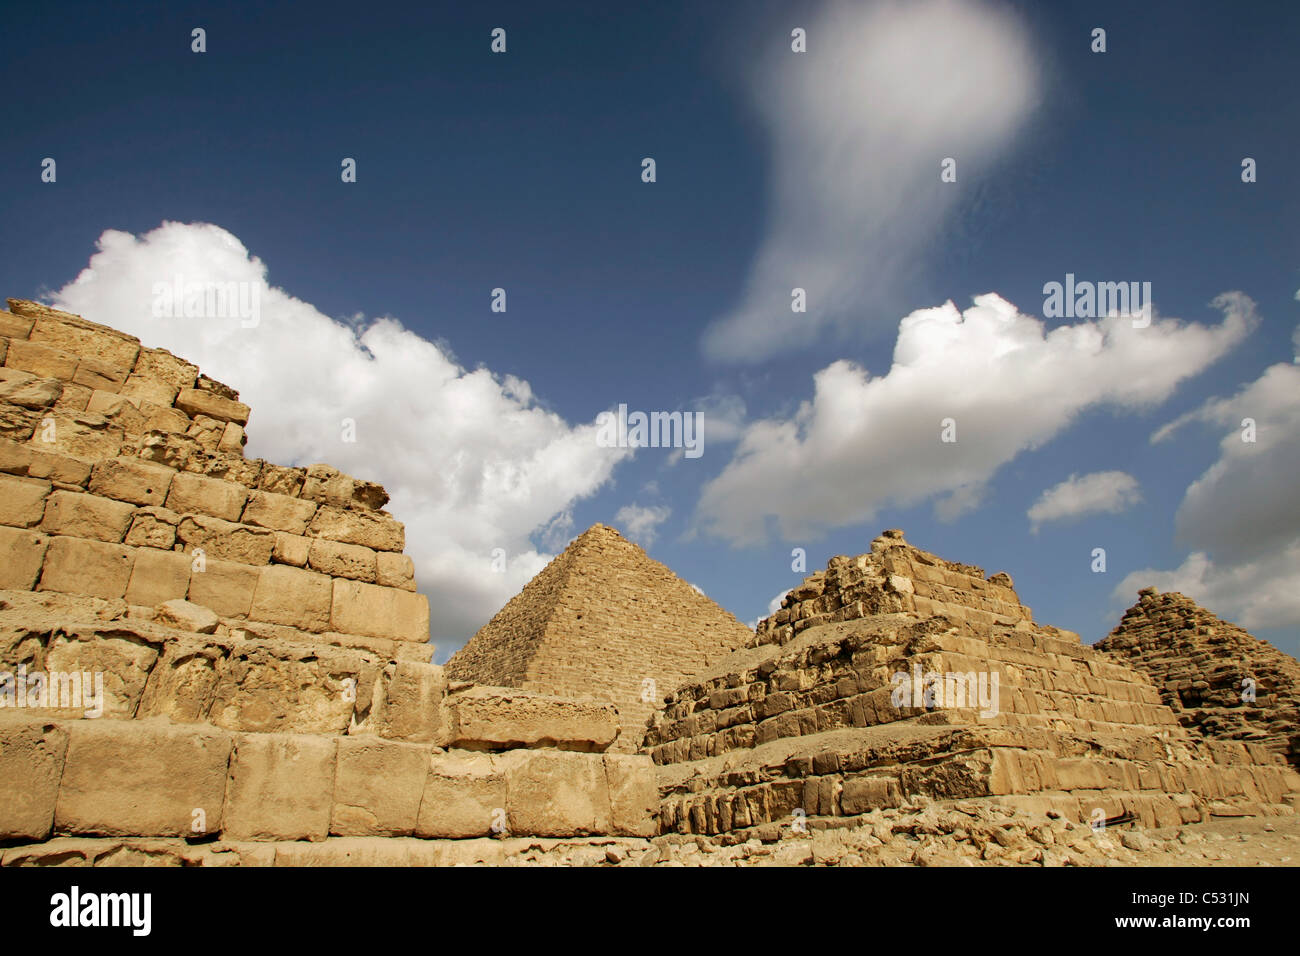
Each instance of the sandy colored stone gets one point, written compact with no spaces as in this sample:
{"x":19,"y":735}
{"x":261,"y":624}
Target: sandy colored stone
{"x":410,"y":707}
{"x":117,"y":654}
{"x":41,"y":360}
{"x":94,"y":568}
{"x":342,"y":560}
{"x":194,"y":401}
{"x":464,"y":796}
{"x":367,"y":528}
{"x":298,"y":598}
{"x":227,"y":587}
{"x":360,"y":608}
{"x":142,"y":778}
{"x":94,"y":373}
{"x":77,"y":434}
{"x":291,"y":549}
{"x":278,"y":512}
{"x":15,"y":326}
{"x":633,"y":794}
{"x":131,"y":479}
{"x":498,"y":718}
{"x":233,"y":439}
{"x":226,"y":540}
{"x":394,"y":570}
{"x":22,"y":501}
{"x":157,"y":577}
{"x":86,"y":516}
{"x":282,"y":480}
{"x":164,"y":419}
{"x":141,"y":388}
{"x":79,"y":336}
{"x":182,"y":682}
{"x":378,"y":787}
{"x":27,"y":390}
{"x":153,"y":528}
{"x":31,"y":762}
{"x":556,"y":793}
{"x":281,"y":787}
{"x":21,"y":555}
{"x":58,"y":468}
{"x":159,"y":365}
{"x":195,"y":494}
{"x":186,"y":616}
{"x":276,"y":686}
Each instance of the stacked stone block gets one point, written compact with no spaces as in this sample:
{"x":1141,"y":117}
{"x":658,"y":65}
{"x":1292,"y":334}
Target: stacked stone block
{"x":1217,"y":678}
{"x":814,"y":722}
{"x":262,"y":648}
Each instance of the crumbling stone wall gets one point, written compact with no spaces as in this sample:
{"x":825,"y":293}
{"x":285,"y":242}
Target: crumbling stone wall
{"x":261,"y":646}
{"x":604,"y":621}
{"x":1207,"y":670}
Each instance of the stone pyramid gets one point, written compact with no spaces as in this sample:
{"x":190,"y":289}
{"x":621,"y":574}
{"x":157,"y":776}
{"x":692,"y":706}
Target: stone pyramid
{"x":207,"y":659}
{"x":603,"y":620}
{"x":872,"y":687}
{"x":1221,"y":681}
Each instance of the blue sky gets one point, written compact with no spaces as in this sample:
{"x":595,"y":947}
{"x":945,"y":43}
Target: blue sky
{"x":775,"y":169}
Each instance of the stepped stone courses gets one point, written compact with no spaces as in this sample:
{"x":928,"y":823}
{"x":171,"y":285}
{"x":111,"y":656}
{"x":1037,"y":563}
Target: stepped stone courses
{"x":262,"y":649}
{"x":602,"y":620}
{"x":1201,"y":666}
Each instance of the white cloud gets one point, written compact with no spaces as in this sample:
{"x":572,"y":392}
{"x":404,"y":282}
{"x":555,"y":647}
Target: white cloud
{"x":471,"y":461}
{"x":1010,"y":385}
{"x":1102,"y":492}
{"x":773,"y":606}
{"x":858,"y":127}
{"x":642,"y":522}
{"x":1239,"y":518}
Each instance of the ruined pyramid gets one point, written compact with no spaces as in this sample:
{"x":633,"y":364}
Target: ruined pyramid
{"x":603,"y":620}
{"x":1220,"y":681}
{"x":897,"y":676}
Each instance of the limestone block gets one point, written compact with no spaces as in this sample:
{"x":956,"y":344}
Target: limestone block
{"x":131,"y":479}
{"x":186,"y":616}
{"x":94,"y":373}
{"x":230,"y":467}
{"x":31,"y":762}
{"x":282,"y":480}
{"x":86,"y":516}
{"x":141,"y":389}
{"x":157,"y":577}
{"x":93,"y":568}
{"x":74,"y":334}
{"x":464,"y":796}
{"x":118,"y":655}
{"x":142,"y":778}
{"x":22,"y":501}
{"x":195,"y":494}
{"x":74,"y":398}
{"x":863,"y":794}
{"x":283,"y":687}
{"x":394,"y":570}
{"x":227,"y":587}
{"x":633,"y":794}
{"x":342,"y":560}
{"x":378,"y":786}
{"x":291,"y":549}
{"x":164,"y":419}
{"x":27,"y":390}
{"x":167,"y":448}
{"x":298,"y":598}
{"x":498,"y":718}
{"x":368,"y":528}
{"x":410,"y":707}
{"x":368,"y":609}
{"x":153,"y":528}
{"x":206,"y":431}
{"x":21,"y":555}
{"x":78,"y":434}
{"x":159,"y":365}
{"x":281,"y":787}
{"x":20,"y":424}
{"x":15,"y":459}
{"x":41,"y":360}
{"x":278,"y":512}
{"x":14,"y":326}
{"x":554,"y":793}
{"x":182,"y":682}
{"x":225,"y":540}
{"x":193,"y":401}
{"x":327,"y":485}
{"x":233,"y":439}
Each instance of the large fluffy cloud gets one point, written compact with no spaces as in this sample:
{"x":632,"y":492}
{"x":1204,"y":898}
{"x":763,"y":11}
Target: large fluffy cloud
{"x":858,"y":126}
{"x":1240,"y":518}
{"x":472,"y":463}
{"x":1006,"y":383}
